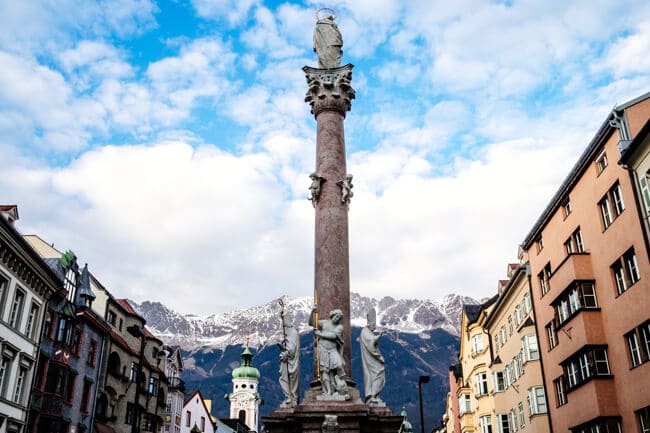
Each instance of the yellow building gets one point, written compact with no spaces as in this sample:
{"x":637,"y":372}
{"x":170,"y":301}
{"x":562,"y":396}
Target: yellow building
{"x":474,"y":400}
{"x":518,"y":394}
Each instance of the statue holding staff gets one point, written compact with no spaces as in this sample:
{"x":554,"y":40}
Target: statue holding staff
{"x":374,"y":374}
{"x":289,"y":359}
{"x":328,"y":42}
{"x":329,"y":334}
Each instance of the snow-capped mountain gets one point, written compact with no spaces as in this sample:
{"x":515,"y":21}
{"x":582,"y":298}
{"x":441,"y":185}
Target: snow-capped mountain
{"x":261,"y":324}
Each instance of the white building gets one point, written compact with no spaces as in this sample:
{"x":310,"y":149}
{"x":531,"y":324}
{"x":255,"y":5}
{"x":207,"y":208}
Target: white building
{"x":175,"y":391}
{"x":26,"y":284}
{"x":244,"y":398}
{"x":196,"y":415}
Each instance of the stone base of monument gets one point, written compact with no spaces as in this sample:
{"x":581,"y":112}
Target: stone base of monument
{"x":351,"y":416}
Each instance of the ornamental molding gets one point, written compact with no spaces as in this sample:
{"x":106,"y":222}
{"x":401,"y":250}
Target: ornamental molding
{"x":329,"y":89}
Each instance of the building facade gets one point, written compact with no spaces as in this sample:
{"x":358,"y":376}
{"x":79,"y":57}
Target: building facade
{"x":196,"y":415}
{"x":26,"y":285}
{"x":65,"y":385}
{"x":589,"y":282}
{"x":173,"y":368}
{"x":518,"y":392}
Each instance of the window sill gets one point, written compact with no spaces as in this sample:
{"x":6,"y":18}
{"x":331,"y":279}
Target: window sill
{"x":646,"y":362}
{"x":618,"y":295}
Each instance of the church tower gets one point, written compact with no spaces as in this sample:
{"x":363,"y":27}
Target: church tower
{"x":244,"y":398}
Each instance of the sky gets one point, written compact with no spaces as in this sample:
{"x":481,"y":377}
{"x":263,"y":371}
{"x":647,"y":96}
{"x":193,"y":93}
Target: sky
{"x":168,"y":143}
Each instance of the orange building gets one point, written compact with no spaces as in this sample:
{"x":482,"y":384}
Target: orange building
{"x":590,"y":282}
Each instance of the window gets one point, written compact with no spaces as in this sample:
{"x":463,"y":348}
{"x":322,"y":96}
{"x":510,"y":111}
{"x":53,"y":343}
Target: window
{"x":513,"y":420}
{"x":497,"y":342}
{"x":64,"y":331}
{"x":47,"y":324}
{"x":566,"y":207}
{"x":188,"y":418}
{"x":638,"y":344}
{"x":4,"y":286}
{"x":153,"y":386}
{"x":85,"y":396}
{"x":580,"y":295}
{"x":625,"y":271}
{"x":589,"y":362}
{"x":503,"y":422}
{"x":560,"y":390}
{"x":75,"y":346}
{"x":111,"y":317}
{"x":465,"y":403}
{"x":643,"y":416}
{"x":503,"y":335}
{"x":526,"y":301}
{"x":477,"y":344}
{"x":59,"y":381}
{"x":510,"y":327}
{"x":202,"y":423}
{"x":601,"y":162}
{"x":522,"y":415}
{"x":544,"y":277}
{"x":92,"y":353}
{"x":645,"y":192}
{"x":574,"y":244}
{"x":540,"y":244}
{"x":611,"y":205}
{"x":16,"y":309}
{"x":537,"y":400}
{"x":133,"y":376}
{"x":518,"y":316}
{"x":603,"y":424}
{"x":499,"y":381}
{"x":486,"y":424}
{"x":481,"y":384}
{"x":130,"y":414}
{"x":32,"y":319}
{"x":551,"y":334}
{"x":20,"y":384}
{"x":70,"y":280}
{"x":529,"y":344}
{"x":5,"y":365}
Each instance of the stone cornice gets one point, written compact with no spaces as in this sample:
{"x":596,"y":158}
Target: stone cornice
{"x":329,"y":89}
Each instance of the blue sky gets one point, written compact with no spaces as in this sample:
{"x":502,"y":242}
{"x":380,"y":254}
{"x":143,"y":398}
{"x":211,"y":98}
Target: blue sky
{"x":168,"y":144}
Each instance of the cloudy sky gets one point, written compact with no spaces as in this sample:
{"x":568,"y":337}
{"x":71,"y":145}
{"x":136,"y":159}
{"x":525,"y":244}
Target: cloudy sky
{"x":168,"y":143}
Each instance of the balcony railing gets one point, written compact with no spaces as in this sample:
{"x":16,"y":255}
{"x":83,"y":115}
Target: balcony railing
{"x":176,"y":384}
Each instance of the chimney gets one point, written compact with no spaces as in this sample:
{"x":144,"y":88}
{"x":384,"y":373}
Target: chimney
{"x":9,"y":212}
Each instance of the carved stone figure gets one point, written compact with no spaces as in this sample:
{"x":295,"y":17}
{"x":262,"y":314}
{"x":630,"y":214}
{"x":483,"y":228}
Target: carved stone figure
{"x":346,"y":189}
{"x":374,"y":374}
{"x":328,"y":42}
{"x":330,"y":354}
{"x":290,"y":362}
{"x":314,"y":188}
{"x":330,"y":424}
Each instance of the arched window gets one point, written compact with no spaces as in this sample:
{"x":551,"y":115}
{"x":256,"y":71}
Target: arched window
{"x":242,"y":416}
{"x":102,"y":405}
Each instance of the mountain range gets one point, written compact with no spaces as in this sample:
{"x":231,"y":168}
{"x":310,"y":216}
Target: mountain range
{"x":421,"y":338}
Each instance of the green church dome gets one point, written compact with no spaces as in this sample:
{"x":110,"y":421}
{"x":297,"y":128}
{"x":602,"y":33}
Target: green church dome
{"x":246,"y":370}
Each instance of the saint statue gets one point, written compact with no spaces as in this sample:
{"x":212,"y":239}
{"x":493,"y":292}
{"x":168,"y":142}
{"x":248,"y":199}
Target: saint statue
{"x":330,"y":353}
{"x":374,"y":374}
{"x":328,"y":43}
{"x":290,"y":362}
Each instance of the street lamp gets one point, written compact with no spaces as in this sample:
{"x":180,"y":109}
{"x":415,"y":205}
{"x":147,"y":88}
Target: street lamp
{"x":421,"y":380}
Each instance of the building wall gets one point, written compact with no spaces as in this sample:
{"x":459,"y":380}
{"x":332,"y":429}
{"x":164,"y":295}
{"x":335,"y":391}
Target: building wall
{"x":516,"y":372}
{"x":625,"y":390}
{"x":195,"y":413}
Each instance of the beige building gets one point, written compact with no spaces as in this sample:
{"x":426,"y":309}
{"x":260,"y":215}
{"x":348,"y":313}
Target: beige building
{"x":475,"y":405}
{"x":518,"y":393}
{"x":590,"y":270}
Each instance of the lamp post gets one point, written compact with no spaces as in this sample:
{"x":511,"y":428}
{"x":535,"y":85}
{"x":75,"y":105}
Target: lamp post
{"x":421,"y":380}
{"x":137,"y":332}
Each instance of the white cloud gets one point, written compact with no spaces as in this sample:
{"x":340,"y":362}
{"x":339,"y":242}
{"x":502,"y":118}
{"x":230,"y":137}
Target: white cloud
{"x":233,"y":11}
{"x":629,"y":54}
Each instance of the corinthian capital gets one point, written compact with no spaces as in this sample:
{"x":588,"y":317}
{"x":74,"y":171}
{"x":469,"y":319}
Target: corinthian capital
{"x":329,"y":89}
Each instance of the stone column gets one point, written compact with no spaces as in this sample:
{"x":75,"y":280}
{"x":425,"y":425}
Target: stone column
{"x":330,"y":96}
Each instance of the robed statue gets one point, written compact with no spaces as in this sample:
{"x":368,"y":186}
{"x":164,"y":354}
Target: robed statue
{"x":374,"y":374}
{"x":289,"y":361}
{"x":330,"y":353}
{"x":328,"y":43}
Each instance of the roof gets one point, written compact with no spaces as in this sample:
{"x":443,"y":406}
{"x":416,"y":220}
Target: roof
{"x":578,"y":169}
{"x":473,"y":311}
{"x":506,"y":291}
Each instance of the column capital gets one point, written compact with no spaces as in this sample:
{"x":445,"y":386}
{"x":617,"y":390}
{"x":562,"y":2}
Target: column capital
{"x":329,"y":89}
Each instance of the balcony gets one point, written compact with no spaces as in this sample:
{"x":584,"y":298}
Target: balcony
{"x":575,"y":266}
{"x":176,"y":384}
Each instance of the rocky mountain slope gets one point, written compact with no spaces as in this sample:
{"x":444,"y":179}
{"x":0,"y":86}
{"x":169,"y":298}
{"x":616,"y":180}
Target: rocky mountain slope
{"x":261,"y":324}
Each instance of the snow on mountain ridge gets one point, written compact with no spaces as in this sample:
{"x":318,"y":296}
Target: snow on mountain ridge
{"x":261,"y":324}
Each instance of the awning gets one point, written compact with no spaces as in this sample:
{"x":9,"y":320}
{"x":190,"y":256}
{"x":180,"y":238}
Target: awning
{"x":103,"y":428}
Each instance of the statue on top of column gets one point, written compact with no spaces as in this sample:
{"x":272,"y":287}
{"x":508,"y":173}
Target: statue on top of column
{"x":328,"y":43}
